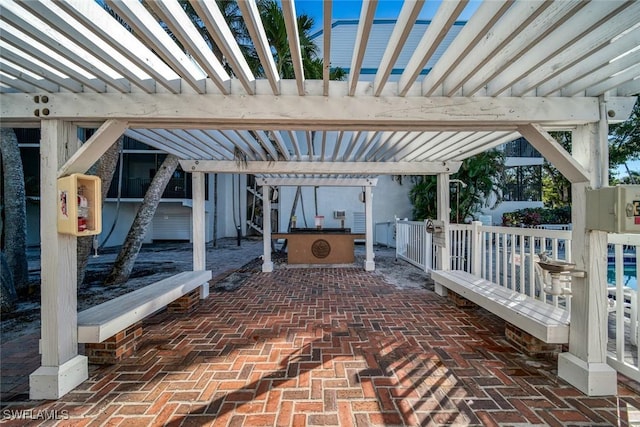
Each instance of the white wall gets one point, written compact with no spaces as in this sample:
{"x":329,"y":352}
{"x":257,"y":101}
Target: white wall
{"x":389,"y":199}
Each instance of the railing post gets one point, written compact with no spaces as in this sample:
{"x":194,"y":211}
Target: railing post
{"x":428,"y":248}
{"x":476,"y":248}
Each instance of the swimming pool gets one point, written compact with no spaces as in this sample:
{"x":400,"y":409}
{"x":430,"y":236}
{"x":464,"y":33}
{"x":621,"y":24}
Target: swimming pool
{"x":629,"y":278}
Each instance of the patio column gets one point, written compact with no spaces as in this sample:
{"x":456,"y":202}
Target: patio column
{"x":443,"y":254}
{"x":369,"y":263}
{"x":267,"y":264}
{"x":199,"y":230}
{"x":585,"y":365}
{"x":62,"y":368}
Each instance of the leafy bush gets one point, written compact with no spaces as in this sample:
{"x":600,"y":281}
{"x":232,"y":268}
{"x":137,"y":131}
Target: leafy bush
{"x":530,"y":217}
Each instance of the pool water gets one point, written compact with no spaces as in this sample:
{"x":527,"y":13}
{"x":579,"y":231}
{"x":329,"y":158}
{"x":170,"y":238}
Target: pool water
{"x":629,"y":278}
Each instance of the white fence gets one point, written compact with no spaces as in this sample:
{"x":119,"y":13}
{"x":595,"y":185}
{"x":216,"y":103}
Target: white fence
{"x":507,"y":256}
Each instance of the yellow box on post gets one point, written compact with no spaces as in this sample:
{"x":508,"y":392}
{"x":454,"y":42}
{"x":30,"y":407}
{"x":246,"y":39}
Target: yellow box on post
{"x":79,"y":205}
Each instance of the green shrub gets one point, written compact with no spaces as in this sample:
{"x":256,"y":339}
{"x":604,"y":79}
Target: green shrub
{"x":530,"y":217}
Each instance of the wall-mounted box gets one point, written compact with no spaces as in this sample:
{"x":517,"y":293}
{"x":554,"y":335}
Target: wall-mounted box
{"x":79,"y":205}
{"x":614,"y":209}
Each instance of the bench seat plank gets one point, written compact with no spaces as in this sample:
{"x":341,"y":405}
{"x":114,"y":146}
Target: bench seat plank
{"x":102,"y":321}
{"x":544,"y":321}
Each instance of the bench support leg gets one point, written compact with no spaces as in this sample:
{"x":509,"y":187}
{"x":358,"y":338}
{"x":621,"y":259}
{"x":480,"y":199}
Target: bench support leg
{"x":439,"y":289}
{"x":114,"y":349}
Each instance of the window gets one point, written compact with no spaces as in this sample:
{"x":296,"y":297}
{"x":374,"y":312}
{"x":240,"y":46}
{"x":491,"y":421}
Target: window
{"x":520,"y":148}
{"x":523,"y":183}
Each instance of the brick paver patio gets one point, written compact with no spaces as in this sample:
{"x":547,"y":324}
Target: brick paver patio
{"x":323,"y":346}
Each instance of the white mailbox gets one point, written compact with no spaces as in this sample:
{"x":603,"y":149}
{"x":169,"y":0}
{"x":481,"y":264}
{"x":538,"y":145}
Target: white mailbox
{"x":614,"y":209}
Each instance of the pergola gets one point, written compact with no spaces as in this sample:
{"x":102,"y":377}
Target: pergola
{"x":515,"y":68}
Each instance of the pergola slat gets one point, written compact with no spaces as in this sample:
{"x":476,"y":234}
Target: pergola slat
{"x":291,"y":24}
{"x":226,"y":42}
{"x":94,"y":17}
{"x":558,"y":73}
{"x":150,"y":30}
{"x":21,"y":75}
{"x":251,"y":14}
{"x":408,"y":15}
{"x":184,"y":30}
{"x":555,"y":38}
{"x":364,"y":28}
{"x":57,"y":18}
{"x":446,"y":15}
{"x":481,"y":22}
{"x":326,"y":43}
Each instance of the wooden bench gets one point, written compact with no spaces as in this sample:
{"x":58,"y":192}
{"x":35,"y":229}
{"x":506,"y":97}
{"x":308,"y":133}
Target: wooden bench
{"x":543,"y":321}
{"x":111,"y":328}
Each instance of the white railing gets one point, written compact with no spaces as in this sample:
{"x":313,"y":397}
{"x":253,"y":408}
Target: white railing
{"x":413,"y":243}
{"x":507,"y":256}
{"x":624,"y":300}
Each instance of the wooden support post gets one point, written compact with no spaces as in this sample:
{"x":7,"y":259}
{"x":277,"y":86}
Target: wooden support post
{"x":199,"y":228}
{"x":267,"y":264}
{"x":476,"y":248}
{"x":369,"y":263}
{"x":62,"y":368}
{"x":443,"y":205}
{"x":585,"y":364}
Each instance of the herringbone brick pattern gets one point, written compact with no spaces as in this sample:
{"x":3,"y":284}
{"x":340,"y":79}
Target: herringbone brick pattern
{"x":330,"y":346}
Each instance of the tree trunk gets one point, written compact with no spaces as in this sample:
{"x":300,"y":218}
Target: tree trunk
{"x":14,"y":243}
{"x":129,"y":252}
{"x":105,"y":170}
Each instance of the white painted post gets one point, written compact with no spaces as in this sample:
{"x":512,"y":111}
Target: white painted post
{"x":369,"y":263}
{"x":585,"y":364}
{"x":199,"y":230}
{"x":267,"y":264}
{"x":443,"y":202}
{"x":62,"y":368}
{"x":476,"y":248}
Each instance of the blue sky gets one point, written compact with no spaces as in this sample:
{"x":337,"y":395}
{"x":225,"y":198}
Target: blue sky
{"x":350,"y":9}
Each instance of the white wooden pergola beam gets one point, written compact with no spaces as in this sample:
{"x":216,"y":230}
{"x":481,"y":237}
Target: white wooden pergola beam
{"x":408,"y":15}
{"x":53,"y":40}
{"x":317,"y":182}
{"x":26,"y":79}
{"x":362,"y":37}
{"x":444,"y":18}
{"x":43,"y":54}
{"x":148,"y":29}
{"x":626,"y":68}
{"x":185,"y":31}
{"x":98,"y":20}
{"x":554,"y":153}
{"x":464,"y":43}
{"x":267,"y":144}
{"x":199,"y":139}
{"x":42,"y":70}
{"x":628,"y":75}
{"x":169,"y":137}
{"x":336,"y":147}
{"x":291,"y":24}
{"x":91,"y":151}
{"x":515,"y":20}
{"x":367,"y":145}
{"x":326,"y":45}
{"x":225,"y":41}
{"x":251,"y":15}
{"x":381,"y":142}
{"x":152,"y":140}
{"x":57,"y":18}
{"x":294,"y":142}
{"x":557,"y":73}
{"x":306,"y":113}
{"x":490,"y":141}
{"x":515,"y":47}
{"x":245,"y":146}
{"x":308,"y":167}
{"x":282,"y":147}
{"x":251,"y":141}
{"x":558,"y":36}
{"x":405,"y":146}
{"x":355,"y":138}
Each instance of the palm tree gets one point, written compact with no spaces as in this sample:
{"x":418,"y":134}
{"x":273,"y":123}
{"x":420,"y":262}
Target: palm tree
{"x":482,"y":175}
{"x":123,"y":266}
{"x":14,"y":237}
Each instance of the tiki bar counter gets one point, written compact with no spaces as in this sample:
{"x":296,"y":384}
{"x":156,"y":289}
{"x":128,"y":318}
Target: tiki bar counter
{"x":319,"y":245}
